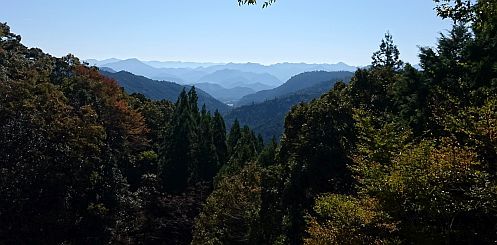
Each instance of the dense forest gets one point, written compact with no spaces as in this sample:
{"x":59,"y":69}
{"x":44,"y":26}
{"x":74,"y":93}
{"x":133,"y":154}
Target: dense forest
{"x":395,"y":156}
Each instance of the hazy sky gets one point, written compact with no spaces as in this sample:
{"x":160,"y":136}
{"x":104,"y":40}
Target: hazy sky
{"x":312,"y":31}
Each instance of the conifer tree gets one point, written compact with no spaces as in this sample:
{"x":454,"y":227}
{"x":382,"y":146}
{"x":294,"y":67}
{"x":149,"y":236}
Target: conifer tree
{"x":193,"y":101}
{"x":388,"y":55}
{"x":234,"y":136}
{"x":175,"y":157}
{"x":208,"y":161}
{"x":219,"y":137}
{"x":267,"y":156}
{"x":245,"y":149}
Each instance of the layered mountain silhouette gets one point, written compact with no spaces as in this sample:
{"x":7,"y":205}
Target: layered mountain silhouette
{"x":230,"y":78}
{"x":283,"y":71}
{"x":159,"y":90}
{"x":237,"y":76}
{"x":296,"y":83}
{"x":226,"y":95}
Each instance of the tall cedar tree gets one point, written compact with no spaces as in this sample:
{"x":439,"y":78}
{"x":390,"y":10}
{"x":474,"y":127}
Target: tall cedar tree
{"x":219,"y":138}
{"x":175,"y":157}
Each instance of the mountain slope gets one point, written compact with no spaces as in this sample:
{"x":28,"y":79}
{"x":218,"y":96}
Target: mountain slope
{"x":226,"y":95}
{"x":159,"y":90}
{"x":283,"y":71}
{"x":268,"y":118}
{"x":182,"y":75}
{"x":107,"y":69}
{"x":132,"y":65}
{"x":296,"y":83}
{"x":230,"y":78}
{"x":94,"y":62}
{"x":137,"y":67}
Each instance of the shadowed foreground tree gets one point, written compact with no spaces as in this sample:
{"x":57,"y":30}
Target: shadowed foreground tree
{"x":67,"y":136}
{"x":232,"y":212}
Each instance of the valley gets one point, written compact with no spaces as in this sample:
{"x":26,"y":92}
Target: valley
{"x":236,"y":94}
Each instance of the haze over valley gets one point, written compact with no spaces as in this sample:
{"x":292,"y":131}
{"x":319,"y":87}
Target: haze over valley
{"x":227,"y":82}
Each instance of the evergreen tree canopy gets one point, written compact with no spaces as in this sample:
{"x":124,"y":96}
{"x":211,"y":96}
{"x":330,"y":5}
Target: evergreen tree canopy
{"x":388,"y":55}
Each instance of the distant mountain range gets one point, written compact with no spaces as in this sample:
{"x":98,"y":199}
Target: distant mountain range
{"x":294,"y":84}
{"x":159,"y":90}
{"x":231,"y":75}
{"x":283,"y":71}
{"x":229,"y":78}
{"x":180,"y":64}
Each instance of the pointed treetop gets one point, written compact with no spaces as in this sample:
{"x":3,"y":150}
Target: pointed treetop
{"x":388,"y":55}
{"x":182,"y":98}
{"x":193,"y":99}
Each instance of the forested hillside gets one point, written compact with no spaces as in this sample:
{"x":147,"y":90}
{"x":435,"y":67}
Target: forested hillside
{"x":396,"y":156}
{"x":268,"y":118}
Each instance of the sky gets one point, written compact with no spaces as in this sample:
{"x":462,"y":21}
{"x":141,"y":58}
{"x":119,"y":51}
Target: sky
{"x":310,"y":31}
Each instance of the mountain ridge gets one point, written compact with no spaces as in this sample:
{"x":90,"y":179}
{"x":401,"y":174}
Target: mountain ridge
{"x":283,"y":71}
{"x":294,"y":84}
{"x":226,"y":95}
